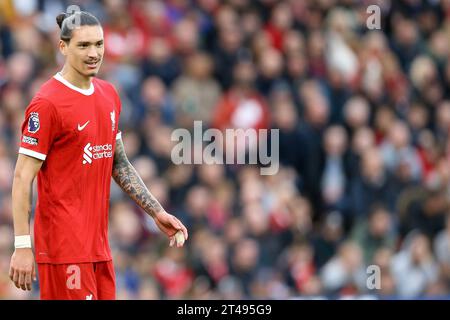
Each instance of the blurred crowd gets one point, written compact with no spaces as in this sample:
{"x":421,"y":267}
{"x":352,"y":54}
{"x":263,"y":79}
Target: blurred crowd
{"x":363,"y":116}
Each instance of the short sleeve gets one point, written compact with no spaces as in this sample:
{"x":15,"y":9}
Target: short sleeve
{"x":118,"y":111}
{"x":38,"y":129}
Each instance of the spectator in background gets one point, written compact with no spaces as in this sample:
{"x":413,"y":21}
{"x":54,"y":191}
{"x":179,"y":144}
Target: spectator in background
{"x":375,"y":233}
{"x":344,"y":273}
{"x":281,"y":21}
{"x":334,"y":180}
{"x":414,"y":267}
{"x":425,"y":80}
{"x":329,"y":238}
{"x":442,"y":249}
{"x":339,"y":54}
{"x":382,"y":258}
{"x":397,"y":151}
{"x":242,"y":107}
{"x":196,"y":205}
{"x":173,"y":274}
{"x":356,"y":114}
{"x":245,"y":262}
{"x":406,"y":41}
{"x":196,"y":92}
{"x":373,"y":52}
{"x":213,"y":264}
{"x":123,"y":41}
{"x":270,"y":66}
{"x":418,"y":119}
{"x":160,"y":61}
{"x":303,"y":67}
{"x":442,"y":123}
{"x":228,"y":45}
{"x":286,"y":118}
{"x":373,"y":185}
{"x":363,"y":139}
{"x":426,"y":213}
{"x":157,"y":103}
{"x":383,"y":120}
{"x":301,"y":267}
{"x":316,"y":118}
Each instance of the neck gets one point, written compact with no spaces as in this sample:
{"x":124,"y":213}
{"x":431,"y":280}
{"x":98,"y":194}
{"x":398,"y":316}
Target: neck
{"x":75,"y":78}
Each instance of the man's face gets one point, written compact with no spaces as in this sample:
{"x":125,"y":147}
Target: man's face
{"x":85,"y":50}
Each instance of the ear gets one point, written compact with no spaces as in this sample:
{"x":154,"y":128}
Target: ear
{"x":63,"y":47}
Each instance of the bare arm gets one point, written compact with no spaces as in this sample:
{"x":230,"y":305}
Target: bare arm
{"x":131,"y":183}
{"x":22,"y":267}
{"x":24,"y":174}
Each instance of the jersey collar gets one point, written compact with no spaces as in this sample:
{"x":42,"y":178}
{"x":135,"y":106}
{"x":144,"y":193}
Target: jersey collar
{"x":86,"y":92}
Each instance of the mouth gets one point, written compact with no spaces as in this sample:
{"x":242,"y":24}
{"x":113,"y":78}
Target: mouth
{"x":92,"y":64}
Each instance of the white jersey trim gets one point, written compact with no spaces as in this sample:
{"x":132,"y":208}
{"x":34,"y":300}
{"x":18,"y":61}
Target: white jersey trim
{"x":32,"y":153}
{"x":86,"y":92}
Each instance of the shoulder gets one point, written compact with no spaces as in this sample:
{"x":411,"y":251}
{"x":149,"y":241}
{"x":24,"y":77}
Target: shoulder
{"x":42,"y":102}
{"x":104,"y":85}
{"x":42,"y":108}
{"x":46,"y":98}
{"x":107,"y":91}
{"x":49,"y":91}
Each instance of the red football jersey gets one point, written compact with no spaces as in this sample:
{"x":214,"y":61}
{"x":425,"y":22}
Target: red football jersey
{"x":74,"y":131}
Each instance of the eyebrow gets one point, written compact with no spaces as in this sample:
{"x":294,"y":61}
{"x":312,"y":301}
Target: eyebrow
{"x":88,"y":43}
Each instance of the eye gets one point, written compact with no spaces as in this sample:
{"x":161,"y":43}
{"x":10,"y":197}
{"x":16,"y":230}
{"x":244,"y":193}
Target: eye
{"x":83,"y":45}
{"x":100,"y":44}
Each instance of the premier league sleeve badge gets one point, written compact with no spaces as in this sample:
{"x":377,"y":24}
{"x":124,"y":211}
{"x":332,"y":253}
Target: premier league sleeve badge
{"x":33,"y":122}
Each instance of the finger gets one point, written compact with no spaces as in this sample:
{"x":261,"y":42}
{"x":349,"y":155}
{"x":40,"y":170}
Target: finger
{"x":181,"y":243}
{"x":28,"y":281}
{"x":185,"y":232}
{"x":176,"y":223}
{"x":183,"y":228}
{"x":11,"y":272}
{"x":22,"y":280}
{"x":34,"y":273}
{"x":172,"y":241}
{"x":16,"y":278}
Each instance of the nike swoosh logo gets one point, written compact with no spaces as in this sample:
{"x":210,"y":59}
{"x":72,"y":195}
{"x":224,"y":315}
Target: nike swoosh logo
{"x":83,"y":126}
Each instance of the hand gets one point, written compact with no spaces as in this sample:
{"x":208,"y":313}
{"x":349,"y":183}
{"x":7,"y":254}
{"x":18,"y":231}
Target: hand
{"x":170,"y":225}
{"x":22,"y":268}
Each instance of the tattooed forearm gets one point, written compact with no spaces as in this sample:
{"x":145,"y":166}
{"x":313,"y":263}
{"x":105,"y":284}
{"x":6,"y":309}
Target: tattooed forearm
{"x":129,"y":180}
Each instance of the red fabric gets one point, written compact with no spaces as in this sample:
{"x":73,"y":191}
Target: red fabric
{"x":276,"y":36}
{"x":232,"y":102}
{"x":217,"y":270}
{"x":156,"y":26}
{"x":280,"y":220}
{"x":427,"y":164}
{"x":71,"y":221}
{"x":121,"y":44}
{"x":302,"y":273}
{"x":217,"y":216}
{"x":174,"y":278}
{"x":84,"y":281}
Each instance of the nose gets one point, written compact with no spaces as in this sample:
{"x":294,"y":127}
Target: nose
{"x":92,"y":53}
